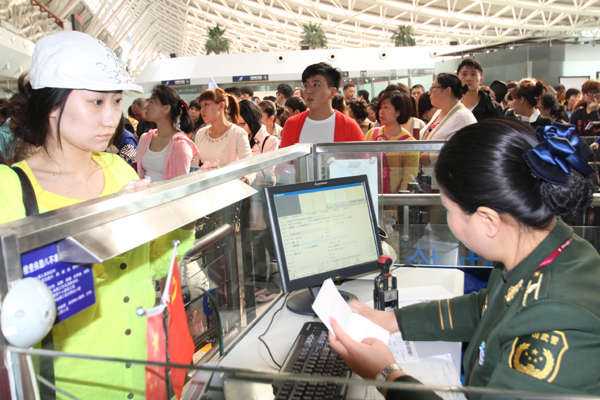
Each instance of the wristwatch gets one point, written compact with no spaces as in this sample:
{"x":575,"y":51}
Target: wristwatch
{"x":383,"y":375}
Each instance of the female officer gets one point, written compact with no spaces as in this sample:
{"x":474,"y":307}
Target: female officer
{"x":71,"y":107}
{"x":537,"y":325}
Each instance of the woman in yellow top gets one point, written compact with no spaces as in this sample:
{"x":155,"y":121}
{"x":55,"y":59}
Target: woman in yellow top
{"x":394,"y":109}
{"x":71,"y":107}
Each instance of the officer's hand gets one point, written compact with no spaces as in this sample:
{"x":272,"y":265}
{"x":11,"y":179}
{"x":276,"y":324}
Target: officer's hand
{"x":594,"y":146}
{"x":387,"y":320}
{"x":367,"y":358}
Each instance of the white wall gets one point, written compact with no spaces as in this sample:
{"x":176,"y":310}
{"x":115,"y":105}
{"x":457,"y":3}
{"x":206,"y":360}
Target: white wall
{"x":223,"y":67}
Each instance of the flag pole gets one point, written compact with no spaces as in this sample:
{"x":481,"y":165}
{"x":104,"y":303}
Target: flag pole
{"x":165,"y":297}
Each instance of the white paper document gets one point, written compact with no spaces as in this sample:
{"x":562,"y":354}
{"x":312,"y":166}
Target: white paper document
{"x":403,"y":351}
{"x":330,"y":303}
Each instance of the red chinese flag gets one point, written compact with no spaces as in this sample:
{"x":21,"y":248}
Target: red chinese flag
{"x":156,"y":388}
{"x":181,"y":345}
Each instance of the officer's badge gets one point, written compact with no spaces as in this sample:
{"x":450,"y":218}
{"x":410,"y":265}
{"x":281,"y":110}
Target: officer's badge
{"x":539,"y":354}
{"x":513,"y":290}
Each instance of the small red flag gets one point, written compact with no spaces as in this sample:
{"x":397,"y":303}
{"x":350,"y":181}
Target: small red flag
{"x":156,"y":388}
{"x":181,"y":345}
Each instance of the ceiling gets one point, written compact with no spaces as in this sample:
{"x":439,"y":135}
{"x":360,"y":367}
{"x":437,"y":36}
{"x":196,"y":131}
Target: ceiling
{"x":158,"y":28}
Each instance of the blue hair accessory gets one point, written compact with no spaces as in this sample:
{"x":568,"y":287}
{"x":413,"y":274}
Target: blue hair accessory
{"x":560,"y":149}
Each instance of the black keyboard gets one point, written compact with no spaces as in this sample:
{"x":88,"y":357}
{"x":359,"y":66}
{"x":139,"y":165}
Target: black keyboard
{"x":312,"y":355}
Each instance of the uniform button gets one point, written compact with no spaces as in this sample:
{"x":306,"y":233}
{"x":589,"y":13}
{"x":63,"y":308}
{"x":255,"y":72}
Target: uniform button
{"x":127,"y":365}
{"x":125,"y":299}
{"x":130,"y":396}
{"x":123,"y":266}
{"x":128,"y":332}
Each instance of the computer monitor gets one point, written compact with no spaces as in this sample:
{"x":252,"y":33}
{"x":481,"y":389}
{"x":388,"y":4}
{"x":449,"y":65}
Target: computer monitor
{"x":322,"y":229}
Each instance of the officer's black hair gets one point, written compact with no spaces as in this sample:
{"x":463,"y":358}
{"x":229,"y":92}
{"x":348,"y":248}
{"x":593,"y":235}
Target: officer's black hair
{"x":332,"y":75}
{"x":348,"y":86}
{"x":483,"y":165}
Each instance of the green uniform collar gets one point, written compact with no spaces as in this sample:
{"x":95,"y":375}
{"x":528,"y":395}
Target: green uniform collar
{"x":524,"y":270}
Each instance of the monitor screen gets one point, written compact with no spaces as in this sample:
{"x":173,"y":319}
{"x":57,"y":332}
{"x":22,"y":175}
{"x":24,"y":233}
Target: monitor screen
{"x":323,"y":229}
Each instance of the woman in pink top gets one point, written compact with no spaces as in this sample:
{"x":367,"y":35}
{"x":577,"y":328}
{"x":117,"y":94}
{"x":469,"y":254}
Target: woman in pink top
{"x":166,"y":152}
{"x":223,"y":141}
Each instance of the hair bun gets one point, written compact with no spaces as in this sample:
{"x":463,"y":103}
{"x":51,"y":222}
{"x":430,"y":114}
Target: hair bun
{"x":570,"y":199}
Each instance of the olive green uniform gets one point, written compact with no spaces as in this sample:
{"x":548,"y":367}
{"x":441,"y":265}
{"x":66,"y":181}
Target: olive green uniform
{"x":539,"y":331}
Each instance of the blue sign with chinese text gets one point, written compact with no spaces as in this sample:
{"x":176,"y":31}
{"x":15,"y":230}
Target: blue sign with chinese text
{"x":72,"y":285}
{"x":250,"y":78}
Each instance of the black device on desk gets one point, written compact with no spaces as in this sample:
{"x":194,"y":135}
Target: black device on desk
{"x":322,"y":229}
{"x":312,"y":355}
{"x":384,"y":294}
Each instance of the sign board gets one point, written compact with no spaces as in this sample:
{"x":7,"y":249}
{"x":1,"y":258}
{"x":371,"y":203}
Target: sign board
{"x":363,"y":74}
{"x":71,"y":285}
{"x":250,"y":78}
{"x":422,"y":71}
{"x":176,"y":82}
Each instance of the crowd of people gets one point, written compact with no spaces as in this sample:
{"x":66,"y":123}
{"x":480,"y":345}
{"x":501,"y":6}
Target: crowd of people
{"x":60,"y":131}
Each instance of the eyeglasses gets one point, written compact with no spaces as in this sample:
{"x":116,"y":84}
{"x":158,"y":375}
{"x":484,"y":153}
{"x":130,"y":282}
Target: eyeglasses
{"x":593,"y":93}
{"x":434,"y":87}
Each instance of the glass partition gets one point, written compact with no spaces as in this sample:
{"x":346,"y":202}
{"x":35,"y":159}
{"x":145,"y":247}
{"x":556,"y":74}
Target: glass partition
{"x":229,"y":277}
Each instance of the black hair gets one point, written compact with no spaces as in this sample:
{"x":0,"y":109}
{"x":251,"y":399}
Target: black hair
{"x":469,"y":62}
{"x":571,"y":92}
{"x":247,"y":90}
{"x":4,"y":109}
{"x":234,"y":90}
{"x":364,"y":94}
{"x":285,"y":90}
{"x":418,"y":86}
{"x":549,"y":102}
{"x":424,"y":105}
{"x":169,"y":97}
{"x":348,"y":86}
{"x":483,"y":165}
{"x":339,"y":104}
{"x":282,"y":114}
{"x":196,"y":104}
{"x":530,"y":90}
{"x":332,"y":75}
{"x":30,"y":110}
{"x":270,"y":98}
{"x":451,"y":81}
{"x":559,"y":87}
{"x":358,"y":109}
{"x":401,"y":102}
{"x":116,"y":139}
{"x":296,"y":104}
{"x":511,"y":84}
{"x":251,"y":115}
{"x":373,"y":105}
